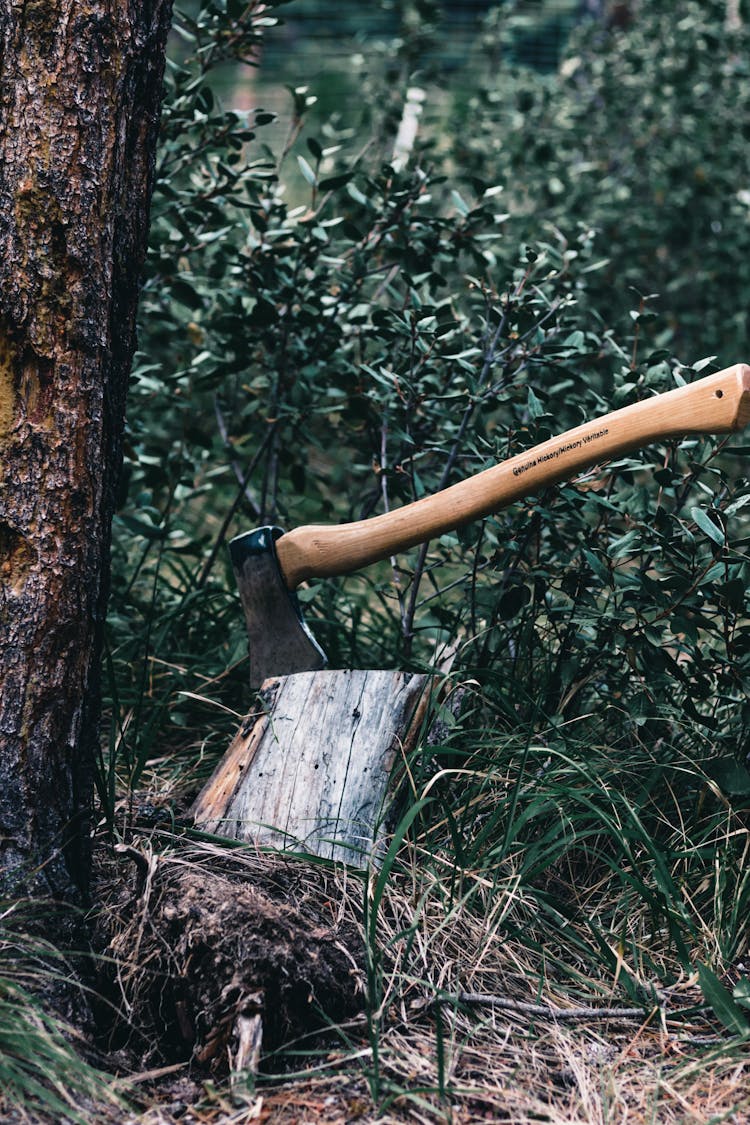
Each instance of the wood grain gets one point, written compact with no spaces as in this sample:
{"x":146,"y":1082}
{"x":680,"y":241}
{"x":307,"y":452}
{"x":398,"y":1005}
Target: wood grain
{"x":311,"y":772}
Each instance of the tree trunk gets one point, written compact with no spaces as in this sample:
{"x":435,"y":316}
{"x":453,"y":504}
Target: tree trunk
{"x":80,"y":92}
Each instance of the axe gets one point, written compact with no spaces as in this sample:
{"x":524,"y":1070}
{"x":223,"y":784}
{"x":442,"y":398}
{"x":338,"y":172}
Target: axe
{"x":270,"y":563}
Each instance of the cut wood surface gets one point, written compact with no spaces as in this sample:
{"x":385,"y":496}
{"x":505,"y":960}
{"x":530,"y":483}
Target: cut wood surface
{"x":310,"y":770}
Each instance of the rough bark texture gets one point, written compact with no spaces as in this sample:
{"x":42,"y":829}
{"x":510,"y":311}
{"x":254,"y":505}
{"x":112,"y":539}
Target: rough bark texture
{"x":80,"y":89}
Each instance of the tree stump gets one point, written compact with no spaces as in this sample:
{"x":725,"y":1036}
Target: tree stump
{"x":310,"y":770}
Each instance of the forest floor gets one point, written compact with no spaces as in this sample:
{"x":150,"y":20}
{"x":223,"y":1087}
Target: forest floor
{"x":236,"y":986}
{"x":244,"y":981}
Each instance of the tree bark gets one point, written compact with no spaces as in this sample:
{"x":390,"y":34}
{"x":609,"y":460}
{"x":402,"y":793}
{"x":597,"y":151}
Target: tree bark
{"x":80,"y":92}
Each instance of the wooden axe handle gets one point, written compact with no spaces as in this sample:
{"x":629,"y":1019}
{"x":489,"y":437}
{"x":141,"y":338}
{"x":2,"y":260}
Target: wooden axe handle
{"x":717,"y":404}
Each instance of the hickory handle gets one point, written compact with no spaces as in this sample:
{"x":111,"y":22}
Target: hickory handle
{"x":713,"y":405}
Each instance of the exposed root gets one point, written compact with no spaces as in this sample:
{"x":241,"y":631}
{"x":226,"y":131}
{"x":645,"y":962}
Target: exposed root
{"x":209,"y":965}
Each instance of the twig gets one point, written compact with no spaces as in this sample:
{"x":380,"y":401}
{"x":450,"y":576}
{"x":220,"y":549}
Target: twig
{"x":543,"y":1010}
{"x":490,"y":358}
{"x":240,"y":473}
{"x":386,"y":508}
{"x":138,"y":858}
{"x":241,"y":494}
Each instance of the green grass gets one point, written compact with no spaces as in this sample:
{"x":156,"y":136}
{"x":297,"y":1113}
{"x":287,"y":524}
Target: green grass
{"x":547,"y":870}
{"x":43,"y":1073}
{"x":590,"y":863}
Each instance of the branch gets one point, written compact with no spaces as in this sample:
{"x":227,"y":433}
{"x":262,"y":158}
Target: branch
{"x":544,"y":1010}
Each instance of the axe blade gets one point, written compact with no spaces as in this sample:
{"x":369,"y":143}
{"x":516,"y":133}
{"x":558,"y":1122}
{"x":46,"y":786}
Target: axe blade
{"x":280,"y":641}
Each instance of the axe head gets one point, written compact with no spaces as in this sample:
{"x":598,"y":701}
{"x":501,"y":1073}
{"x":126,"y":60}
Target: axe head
{"x":278,"y":638}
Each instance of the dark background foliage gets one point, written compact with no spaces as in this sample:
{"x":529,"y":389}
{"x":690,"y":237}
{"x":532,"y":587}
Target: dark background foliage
{"x":385,"y":332}
{"x":327,"y":332}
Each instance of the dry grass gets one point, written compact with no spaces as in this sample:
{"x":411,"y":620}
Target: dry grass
{"x":567,"y":893}
{"x":411,"y":1060}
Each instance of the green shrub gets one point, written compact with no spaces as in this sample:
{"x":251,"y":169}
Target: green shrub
{"x":320,"y":362}
{"x":319,"y":357}
{"x":642,"y":136}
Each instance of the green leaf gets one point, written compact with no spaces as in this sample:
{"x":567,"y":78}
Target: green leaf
{"x":333,"y":182}
{"x":701,"y":363}
{"x":657,"y":357}
{"x":142,"y":527}
{"x":357,"y":195}
{"x":386,"y":871}
{"x":731,"y":776}
{"x":737,"y":505}
{"x":307,"y":171}
{"x":184,"y":292}
{"x":707,"y":525}
{"x":459,"y":203}
{"x":741,"y":992}
{"x":513,"y":601}
{"x":596,"y":565}
{"x":575,"y":340}
{"x":721,"y":1001}
{"x":533,"y":405}
{"x":627,"y":544}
